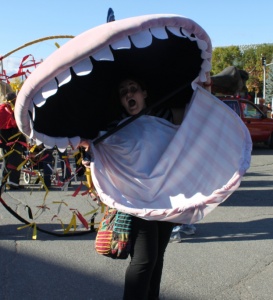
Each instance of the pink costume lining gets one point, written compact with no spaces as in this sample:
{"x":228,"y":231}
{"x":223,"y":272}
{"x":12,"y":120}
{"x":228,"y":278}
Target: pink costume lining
{"x":174,"y":173}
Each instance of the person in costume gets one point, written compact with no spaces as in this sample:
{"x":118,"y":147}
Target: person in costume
{"x":152,"y":168}
{"x":149,"y":238}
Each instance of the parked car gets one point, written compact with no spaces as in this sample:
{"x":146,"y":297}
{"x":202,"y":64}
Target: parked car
{"x":258,"y":124}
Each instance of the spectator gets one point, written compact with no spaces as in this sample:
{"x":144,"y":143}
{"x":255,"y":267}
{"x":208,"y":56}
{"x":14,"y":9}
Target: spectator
{"x":262,"y":106}
{"x":65,"y":166}
{"x":176,"y":236}
{"x":269,"y":111}
{"x":10,"y":142}
{"x":149,"y":238}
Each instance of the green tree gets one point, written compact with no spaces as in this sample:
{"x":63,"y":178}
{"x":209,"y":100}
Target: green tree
{"x":246,"y":57}
{"x":223,"y":57}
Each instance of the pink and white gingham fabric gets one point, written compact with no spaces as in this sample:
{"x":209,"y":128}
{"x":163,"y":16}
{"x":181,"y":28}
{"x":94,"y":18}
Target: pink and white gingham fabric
{"x":159,"y":171}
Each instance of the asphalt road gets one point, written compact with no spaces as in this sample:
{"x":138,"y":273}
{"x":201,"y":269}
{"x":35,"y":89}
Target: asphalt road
{"x":230,"y":256}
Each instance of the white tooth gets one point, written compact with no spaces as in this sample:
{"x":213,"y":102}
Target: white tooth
{"x":188,"y":35}
{"x":62,"y":143}
{"x":142,"y":39}
{"x":38,"y":99}
{"x":206,"y":65}
{"x":64,"y":77}
{"x":202,"y":76}
{"x":202,"y":44}
{"x":185,"y":32}
{"x":104,"y":54}
{"x":49,"y":142}
{"x":205,"y":55}
{"x":83,"y":68}
{"x":38,"y":137}
{"x":74,"y":141}
{"x":159,"y":33}
{"x":49,"y":89}
{"x":176,"y":31}
{"x":121,"y":44}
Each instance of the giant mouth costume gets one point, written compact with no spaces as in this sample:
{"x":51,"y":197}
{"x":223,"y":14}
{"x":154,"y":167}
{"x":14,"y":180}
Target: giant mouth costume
{"x":174,"y":173}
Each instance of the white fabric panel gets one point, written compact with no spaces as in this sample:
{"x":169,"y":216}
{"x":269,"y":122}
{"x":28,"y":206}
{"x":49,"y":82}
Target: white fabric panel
{"x":159,"y":171}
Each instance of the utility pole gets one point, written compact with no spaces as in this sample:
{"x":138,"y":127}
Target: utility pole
{"x":264,"y":66}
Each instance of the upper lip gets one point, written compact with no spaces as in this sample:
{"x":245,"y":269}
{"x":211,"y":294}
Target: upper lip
{"x":52,"y":84}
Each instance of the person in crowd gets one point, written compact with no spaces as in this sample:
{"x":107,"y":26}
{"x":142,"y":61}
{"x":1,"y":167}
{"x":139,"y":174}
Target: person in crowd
{"x":44,"y":159}
{"x":65,"y":166}
{"x":269,"y":111}
{"x":178,"y":230}
{"x":262,"y":106}
{"x":11,"y":142}
{"x":149,"y":238}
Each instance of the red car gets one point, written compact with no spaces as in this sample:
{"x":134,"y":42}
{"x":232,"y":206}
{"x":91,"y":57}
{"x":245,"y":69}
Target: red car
{"x":258,"y":124}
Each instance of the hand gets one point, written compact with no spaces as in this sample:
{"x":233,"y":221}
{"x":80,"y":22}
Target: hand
{"x":86,"y":163}
{"x":207,"y":85}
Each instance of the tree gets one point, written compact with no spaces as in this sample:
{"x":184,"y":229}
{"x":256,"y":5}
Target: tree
{"x":223,"y":57}
{"x":247,"y":58}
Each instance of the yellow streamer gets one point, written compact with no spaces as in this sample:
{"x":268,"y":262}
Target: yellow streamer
{"x":91,"y":212}
{"x":44,"y":185}
{"x":11,"y":105}
{"x":71,"y":224}
{"x":79,"y":161}
{"x":33,"y":225}
{"x":33,"y":148}
{"x":60,"y":202}
{"x":102,"y":207}
{"x":21,"y":165}
{"x":76,"y":153}
{"x":8,"y":153}
{"x":15,"y":135}
{"x":88,"y":178}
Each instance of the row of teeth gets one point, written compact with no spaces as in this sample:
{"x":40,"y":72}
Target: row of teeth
{"x":140,"y":40}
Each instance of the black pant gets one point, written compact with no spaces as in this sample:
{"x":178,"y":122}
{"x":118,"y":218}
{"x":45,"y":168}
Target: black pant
{"x":143,"y":275}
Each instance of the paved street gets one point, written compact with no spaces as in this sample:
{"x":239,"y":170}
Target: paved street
{"x":229,"y":258}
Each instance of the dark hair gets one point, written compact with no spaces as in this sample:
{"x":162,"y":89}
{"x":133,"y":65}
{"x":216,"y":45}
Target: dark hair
{"x":11,"y":96}
{"x":135,"y":79}
{"x":115,"y":92}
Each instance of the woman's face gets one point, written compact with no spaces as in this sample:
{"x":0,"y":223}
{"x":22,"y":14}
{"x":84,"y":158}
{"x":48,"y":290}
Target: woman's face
{"x":132,"y":97}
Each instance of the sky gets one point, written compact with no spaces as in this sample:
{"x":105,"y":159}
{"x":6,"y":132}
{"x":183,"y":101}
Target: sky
{"x":232,"y":22}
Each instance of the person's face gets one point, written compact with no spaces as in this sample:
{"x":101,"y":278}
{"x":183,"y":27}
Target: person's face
{"x":132,"y":97}
{"x":261,"y":101}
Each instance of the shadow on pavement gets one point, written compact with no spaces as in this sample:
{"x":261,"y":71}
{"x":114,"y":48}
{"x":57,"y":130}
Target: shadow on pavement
{"x":232,"y":231}
{"x":34,"y":278}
